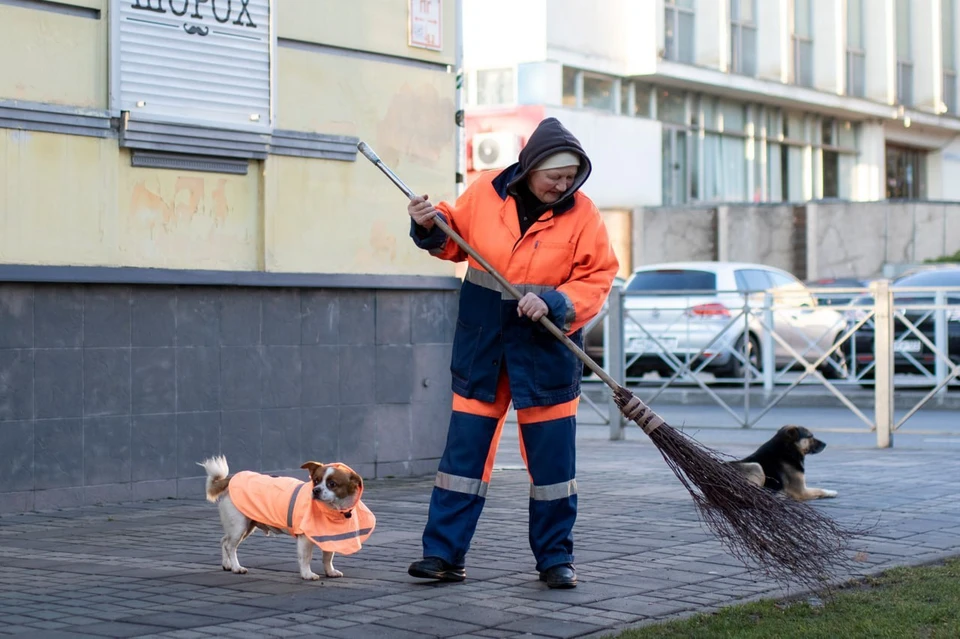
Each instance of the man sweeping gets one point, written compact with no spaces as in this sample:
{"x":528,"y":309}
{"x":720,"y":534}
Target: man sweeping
{"x":532,"y":223}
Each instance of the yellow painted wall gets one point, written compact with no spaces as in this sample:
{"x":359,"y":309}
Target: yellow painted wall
{"x":76,"y":200}
{"x":347,"y":217}
{"x":52,"y":57}
{"x":189,"y":219}
{"x":58,"y":197}
{"x":366,"y":25}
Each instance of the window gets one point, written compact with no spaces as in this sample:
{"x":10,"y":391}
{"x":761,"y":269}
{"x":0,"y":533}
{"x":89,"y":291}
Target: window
{"x":743,"y":37}
{"x":781,"y":280}
{"x":856,"y":55}
{"x":757,"y":156}
{"x":802,"y":41}
{"x":848,"y":149}
{"x":729,"y":160}
{"x":787,"y":166}
{"x":904,"y":55}
{"x":675,"y":173}
{"x":678,"y":30}
{"x":949,"y":54}
{"x":641,"y":100}
{"x":674,"y":167}
{"x":673,"y":280}
{"x":831,"y":174}
{"x":789,"y":291}
{"x":831,"y":160}
{"x":495,"y":87}
{"x":838,"y":156}
{"x":792,"y":176}
{"x":598,"y":92}
{"x":733,"y":153}
{"x":588,"y":90}
{"x":672,"y":107}
{"x":724,"y":151}
{"x":720,"y":150}
{"x":785,"y":147}
{"x":570,"y":78}
{"x":752,"y":280}
{"x":732,"y":117}
{"x":641,"y":95}
{"x":905,"y":173}
{"x":709,"y":112}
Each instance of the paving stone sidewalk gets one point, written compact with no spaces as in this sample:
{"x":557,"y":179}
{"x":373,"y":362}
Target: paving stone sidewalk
{"x":152,"y":569}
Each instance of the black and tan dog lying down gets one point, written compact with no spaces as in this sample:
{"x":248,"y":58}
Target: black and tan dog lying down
{"x":778,"y":463}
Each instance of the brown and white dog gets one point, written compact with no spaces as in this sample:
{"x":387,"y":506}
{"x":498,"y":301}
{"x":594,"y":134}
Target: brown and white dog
{"x":778,"y":464}
{"x":328,"y":514}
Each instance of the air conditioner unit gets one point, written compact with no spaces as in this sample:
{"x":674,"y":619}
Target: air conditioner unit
{"x":495,"y":150}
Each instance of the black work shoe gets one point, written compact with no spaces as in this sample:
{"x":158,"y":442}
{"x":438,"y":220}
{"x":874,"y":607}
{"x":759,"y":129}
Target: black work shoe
{"x":436,"y":568}
{"x":561,"y":576}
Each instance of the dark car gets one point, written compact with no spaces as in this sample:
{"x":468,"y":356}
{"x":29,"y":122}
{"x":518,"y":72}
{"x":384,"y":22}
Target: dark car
{"x":846,"y":290}
{"x":911,"y":354}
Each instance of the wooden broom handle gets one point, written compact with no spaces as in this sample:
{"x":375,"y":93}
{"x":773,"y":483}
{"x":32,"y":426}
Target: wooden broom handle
{"x":469,"y":250}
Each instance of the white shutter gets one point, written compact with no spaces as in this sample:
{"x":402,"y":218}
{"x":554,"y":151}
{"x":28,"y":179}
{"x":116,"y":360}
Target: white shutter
{"x":205,"y":62}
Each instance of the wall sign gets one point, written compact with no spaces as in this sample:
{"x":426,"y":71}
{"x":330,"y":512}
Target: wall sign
{"x":193,"y":61}
{"x":426,"y":24}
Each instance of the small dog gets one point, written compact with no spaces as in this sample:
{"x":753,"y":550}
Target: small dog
{"x":329,"y":514}
{"x":778,"y":463}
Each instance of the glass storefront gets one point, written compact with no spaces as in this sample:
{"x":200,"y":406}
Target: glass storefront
{"x":905,"y":173}
{"x":720,"y":150}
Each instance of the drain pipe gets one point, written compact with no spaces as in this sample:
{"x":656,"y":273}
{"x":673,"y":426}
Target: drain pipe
{"x":460,"y":143}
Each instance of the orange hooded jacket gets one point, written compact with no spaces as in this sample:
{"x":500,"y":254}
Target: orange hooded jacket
{"x":287,"y":503}
{"x":565,"y":257}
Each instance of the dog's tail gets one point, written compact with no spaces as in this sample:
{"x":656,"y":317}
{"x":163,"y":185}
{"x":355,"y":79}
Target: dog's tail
{"x":217,"y":476}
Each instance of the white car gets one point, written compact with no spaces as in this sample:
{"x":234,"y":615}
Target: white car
{"x":690,"y":312}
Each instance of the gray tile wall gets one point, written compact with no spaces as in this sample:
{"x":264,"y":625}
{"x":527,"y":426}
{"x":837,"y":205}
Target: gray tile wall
{"x":111,"y":392}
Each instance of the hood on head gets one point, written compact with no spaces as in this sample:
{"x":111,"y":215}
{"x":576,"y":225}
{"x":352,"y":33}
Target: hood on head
{"x":551,"y":137}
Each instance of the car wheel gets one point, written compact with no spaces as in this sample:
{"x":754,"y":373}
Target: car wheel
{"x":637,"y":371}
{"x":736,"y":368}
{"x":835,"y":366}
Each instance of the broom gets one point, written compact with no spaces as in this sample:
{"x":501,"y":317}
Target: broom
{"x":788,"y":540}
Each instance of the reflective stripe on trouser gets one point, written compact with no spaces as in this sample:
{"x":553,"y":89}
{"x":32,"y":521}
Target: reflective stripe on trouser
{"x":547,"y":445}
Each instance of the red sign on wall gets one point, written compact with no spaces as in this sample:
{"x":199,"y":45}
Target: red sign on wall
{"x":426,"y":24}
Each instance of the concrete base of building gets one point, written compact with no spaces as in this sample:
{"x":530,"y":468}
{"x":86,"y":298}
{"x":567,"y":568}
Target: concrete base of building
{"x":113,"y":391}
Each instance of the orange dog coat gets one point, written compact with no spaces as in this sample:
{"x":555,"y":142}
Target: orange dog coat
{"x":287,"y":503}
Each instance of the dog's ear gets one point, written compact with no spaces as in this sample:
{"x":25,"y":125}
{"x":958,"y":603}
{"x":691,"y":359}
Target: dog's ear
{"x":356,"y":480}
{"x":312,"y":466}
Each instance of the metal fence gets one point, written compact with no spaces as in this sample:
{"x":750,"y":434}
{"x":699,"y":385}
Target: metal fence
{"x":766,"y":344}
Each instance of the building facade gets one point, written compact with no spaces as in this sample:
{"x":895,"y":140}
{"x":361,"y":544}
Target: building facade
{"x":705,"y":102}
{"x":192,"y":258}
